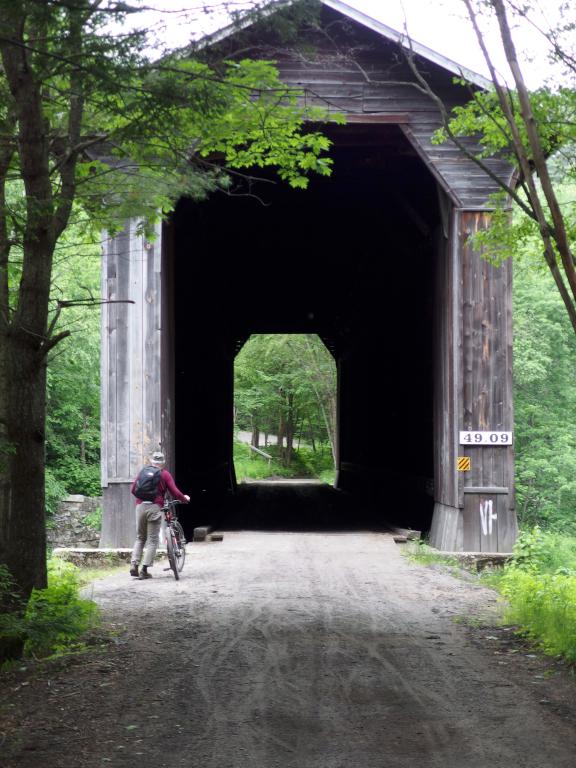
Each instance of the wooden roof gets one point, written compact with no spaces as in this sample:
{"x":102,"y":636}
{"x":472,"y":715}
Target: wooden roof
{"x":375,"y":83}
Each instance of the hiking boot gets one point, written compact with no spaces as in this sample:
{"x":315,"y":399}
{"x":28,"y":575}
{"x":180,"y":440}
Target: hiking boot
{"x":144,"y":573}
{"x":134,"y":570}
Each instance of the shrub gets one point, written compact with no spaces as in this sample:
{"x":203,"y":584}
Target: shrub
{"x":55,"y":491}
{"x":94,"y":519}
{"x":12,"y":630}
{"x":53,"y":620}
{"x":57,"y":616}
{"x":544,"y":606}
{"x":539,"y":584}
{"x":79,"y":477}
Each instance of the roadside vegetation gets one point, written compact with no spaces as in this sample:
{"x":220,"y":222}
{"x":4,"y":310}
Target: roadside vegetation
{"x":305,"y":464}
{"x":53,"y":621}
{"x":538,"y":587}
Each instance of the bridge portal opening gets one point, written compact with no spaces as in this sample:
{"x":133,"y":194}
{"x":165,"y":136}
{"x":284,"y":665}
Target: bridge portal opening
{"x":352,"y":259}
{"x":285,"y":410}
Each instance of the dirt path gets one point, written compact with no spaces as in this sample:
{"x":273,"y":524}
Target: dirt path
{"x":294,"y":651}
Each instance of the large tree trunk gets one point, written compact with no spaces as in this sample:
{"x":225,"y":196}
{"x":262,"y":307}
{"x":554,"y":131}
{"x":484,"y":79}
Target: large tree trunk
{"x":24,"y":334}
{"x":22,"y":507}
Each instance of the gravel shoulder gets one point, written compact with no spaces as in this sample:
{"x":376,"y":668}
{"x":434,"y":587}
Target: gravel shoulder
{"x":308,"y":650}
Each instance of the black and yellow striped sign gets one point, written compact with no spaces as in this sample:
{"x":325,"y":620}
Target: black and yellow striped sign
{"x":463,"y":464}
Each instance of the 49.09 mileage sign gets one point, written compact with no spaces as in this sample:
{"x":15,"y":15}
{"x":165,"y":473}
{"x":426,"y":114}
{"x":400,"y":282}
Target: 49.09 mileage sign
{"x":479,"y":437}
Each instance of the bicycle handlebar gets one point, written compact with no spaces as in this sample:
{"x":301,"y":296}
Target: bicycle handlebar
{"x":173,"y":503}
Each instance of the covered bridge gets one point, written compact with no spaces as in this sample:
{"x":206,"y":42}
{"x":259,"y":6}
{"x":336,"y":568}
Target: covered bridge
{"x":375,"y":259}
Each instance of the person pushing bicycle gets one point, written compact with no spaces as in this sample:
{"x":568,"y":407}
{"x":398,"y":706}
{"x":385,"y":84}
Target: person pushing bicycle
{"x":149,"y":488}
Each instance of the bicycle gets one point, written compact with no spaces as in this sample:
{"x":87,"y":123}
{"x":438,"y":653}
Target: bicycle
{"x":175,"y":539}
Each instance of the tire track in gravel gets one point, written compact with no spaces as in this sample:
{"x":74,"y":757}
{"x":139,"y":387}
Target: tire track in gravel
{"x":285,"y":650}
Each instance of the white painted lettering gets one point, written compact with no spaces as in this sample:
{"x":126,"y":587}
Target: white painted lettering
{"x":487,"y":516}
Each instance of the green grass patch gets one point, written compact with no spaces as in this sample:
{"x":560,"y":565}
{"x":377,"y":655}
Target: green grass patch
{"x":419,"y":552}
{"x":539,"y":585}
{"x":544,"y":608}
{"x":305,"y":463}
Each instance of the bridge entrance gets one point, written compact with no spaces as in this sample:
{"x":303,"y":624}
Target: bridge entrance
{"x":352,"y":259}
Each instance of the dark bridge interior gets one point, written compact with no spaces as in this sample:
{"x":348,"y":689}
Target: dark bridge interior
{"x":351,"y":259}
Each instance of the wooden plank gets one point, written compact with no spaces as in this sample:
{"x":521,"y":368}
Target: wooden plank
{"x":167,"y":354}
{"x":104,"y":364}
{"x":118,"y":520}
{"x":471,"y":524}
{"x":446,"y":532}
{"x":137,"y":407}
{"x":152,"y":331}
{"x":122,"y":358}
{"x":381,"y":119}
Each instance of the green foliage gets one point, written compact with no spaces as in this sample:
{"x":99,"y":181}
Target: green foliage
{"x":12,"y":625}
{"x":541,"y":552}
{"x":286,"y":384}
{"x":94,"y":519}
{"x":56,"y":617}
{"x":539,"y":585}
{"x":544,"y":607}
{"x":53,"y":620}
{"x":305,"y":463}
{"x":545,"y":401}
{"x":55,"y":491}
{"x":73,"y":403}
{"x":418,"y":551}
{"x":530,"y":552}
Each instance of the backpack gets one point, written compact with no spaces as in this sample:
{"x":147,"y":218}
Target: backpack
{"x":146,"y":486}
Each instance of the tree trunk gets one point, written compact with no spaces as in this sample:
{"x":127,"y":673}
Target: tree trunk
{"x":289,"y":429}
{"x":22,"y":504}
{"x":281,"y":433}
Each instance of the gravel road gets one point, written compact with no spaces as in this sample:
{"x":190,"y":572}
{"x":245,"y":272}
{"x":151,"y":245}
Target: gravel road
{"x":285,"y":650}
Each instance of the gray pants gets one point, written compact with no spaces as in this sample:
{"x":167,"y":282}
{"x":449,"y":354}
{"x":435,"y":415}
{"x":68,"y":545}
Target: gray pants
{"x":148,"y":523}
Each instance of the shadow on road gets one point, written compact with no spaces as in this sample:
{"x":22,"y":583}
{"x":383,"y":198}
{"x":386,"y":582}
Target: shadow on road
{"x":298,"y":506}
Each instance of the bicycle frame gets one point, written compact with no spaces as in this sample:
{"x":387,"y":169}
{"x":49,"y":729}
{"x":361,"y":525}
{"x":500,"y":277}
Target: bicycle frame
{"x":175,"y":539}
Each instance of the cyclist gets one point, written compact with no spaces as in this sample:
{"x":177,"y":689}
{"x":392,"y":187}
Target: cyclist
{"x":149,"y":488}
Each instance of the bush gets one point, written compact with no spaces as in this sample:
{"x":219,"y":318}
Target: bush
{"x":55,"y":491}
{"x":11,"y":619}
{"x":539,"y":584}
{"x":94,"y":519}
{"x":79,"y":477}
{"x":544,"y":606}
{"x":53,"y":620}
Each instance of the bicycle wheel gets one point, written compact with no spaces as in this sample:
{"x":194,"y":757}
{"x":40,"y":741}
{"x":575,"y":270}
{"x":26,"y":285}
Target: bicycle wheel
{"x":180,"y":549}
{"x":171,"y":549}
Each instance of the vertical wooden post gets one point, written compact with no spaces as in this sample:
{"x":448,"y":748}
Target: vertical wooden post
{"x":474,"y":510}
{"x":131,"y":369}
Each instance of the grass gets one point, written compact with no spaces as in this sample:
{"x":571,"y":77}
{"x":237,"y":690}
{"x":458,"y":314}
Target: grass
{"x":419,"y":552}
{"x":539,"y":587}
{"x":305,"y":464}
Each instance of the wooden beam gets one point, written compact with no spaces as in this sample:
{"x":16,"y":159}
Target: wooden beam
{"x":393,"y":118}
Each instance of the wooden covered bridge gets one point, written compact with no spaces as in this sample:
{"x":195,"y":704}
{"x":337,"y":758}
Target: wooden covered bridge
{"x":375,"y":259}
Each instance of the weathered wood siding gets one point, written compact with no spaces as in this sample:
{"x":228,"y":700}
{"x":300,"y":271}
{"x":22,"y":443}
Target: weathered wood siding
{"x":367,"y":77}
{"x":480,"y":516}
{"x":131,"y":372}
{"x":446,"y":340}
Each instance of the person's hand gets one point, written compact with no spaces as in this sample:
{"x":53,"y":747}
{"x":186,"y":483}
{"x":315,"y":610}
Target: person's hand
{"x":187,"y":498}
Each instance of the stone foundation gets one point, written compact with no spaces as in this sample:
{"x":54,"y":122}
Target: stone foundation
{"x":68,"y":527}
